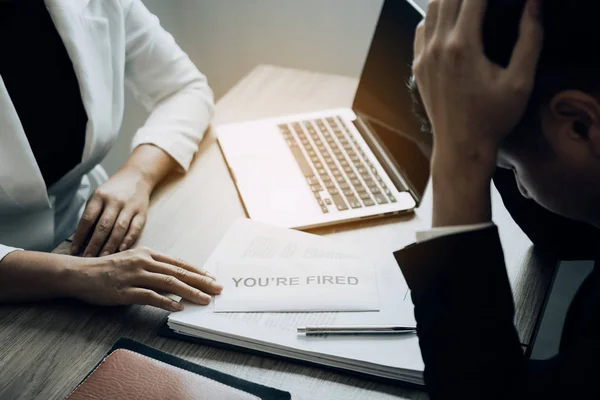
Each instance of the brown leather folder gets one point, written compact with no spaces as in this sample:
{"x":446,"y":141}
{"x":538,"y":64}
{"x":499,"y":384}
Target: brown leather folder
{"x":127,"y":374}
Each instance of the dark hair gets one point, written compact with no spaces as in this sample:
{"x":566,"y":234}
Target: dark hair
{"x":570,"y":56}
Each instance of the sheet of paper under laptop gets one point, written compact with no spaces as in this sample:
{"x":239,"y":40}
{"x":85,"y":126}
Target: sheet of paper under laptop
{"x":394,"y":357}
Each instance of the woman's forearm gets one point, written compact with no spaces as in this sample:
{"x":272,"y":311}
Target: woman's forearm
{"x":31,"y":276}
{"x":151,"y":163}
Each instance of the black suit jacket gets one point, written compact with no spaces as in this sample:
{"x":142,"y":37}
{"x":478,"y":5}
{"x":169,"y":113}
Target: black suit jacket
{"x":461,"y":280}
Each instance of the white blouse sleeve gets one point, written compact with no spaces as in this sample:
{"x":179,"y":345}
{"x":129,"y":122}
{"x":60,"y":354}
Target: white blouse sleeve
{"x":6,"y":250}
{"x":168,"y":84}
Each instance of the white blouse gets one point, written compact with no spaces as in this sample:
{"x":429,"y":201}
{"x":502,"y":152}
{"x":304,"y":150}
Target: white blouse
{"x":112,"y":43}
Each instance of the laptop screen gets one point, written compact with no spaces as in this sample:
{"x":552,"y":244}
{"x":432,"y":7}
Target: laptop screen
{"x":384,"y":103}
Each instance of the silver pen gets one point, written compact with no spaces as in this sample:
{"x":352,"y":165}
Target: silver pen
{"x":354,"y":329}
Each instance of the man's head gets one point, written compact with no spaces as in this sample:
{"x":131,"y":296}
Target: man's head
{"x":555,"y":150}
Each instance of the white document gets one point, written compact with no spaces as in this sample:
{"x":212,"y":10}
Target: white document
{"x":296,"y":285}
{"x":389,"y":356}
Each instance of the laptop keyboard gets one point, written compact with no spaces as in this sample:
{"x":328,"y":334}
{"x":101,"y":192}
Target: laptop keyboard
{"x":337,"y":170}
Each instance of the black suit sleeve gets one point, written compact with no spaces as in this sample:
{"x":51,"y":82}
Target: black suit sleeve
{"x":555,"y":235}
{"x":464,"y":311}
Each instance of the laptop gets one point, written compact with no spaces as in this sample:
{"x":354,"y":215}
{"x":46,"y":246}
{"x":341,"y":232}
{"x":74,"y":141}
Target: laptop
{"x":334,"y":166}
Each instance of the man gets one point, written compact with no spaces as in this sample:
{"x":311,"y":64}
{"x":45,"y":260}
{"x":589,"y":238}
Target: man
{"x":512,"y":84}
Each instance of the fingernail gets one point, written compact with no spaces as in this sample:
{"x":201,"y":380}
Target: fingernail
{"x":206,"y":299}
{"x":176,"y":306}
{"x":104,"y":254}
{"x":74,"y":250}
{"x":122,"y":247}
{"x":217,"y":287}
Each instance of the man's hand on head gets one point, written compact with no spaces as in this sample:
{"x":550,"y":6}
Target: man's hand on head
{"x":473,"y":104}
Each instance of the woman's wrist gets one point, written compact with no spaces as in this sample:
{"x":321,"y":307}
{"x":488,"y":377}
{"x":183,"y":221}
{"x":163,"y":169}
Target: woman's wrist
{"x":73,"y":275}
{"x":29,"y":275}
{"x":139,"y":176}
{"x":149,"y":164}
{"x":138,"y":179}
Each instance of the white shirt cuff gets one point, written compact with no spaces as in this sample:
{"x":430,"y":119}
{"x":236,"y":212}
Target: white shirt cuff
{"x":435,"y":233}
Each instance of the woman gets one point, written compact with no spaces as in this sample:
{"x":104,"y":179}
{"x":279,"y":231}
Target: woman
{"x":64,"y":67}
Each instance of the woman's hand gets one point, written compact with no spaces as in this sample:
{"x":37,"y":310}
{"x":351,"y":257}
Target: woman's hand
{"x":140,"y":276}
{"x":473,"y":104}
{"x":114,"y":216}
{"x":116,"y":213}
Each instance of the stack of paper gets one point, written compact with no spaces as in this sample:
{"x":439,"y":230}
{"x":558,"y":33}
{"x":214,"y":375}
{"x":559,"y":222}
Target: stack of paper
{"x":394,"y":357}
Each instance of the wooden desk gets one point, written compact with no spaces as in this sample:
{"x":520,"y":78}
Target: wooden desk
{"x":46,"y":349}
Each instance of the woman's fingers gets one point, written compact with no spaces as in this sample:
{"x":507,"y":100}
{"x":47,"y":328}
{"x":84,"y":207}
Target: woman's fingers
{"x":151,"y":298}
{"x":177,"y":262}
{"x":198,"y":281}
{"x":103,"y":228}
{"x":170,"y":284}
{"x":87,"y":223}
{"x":118,"y":232}
{"x":135,"y":229}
